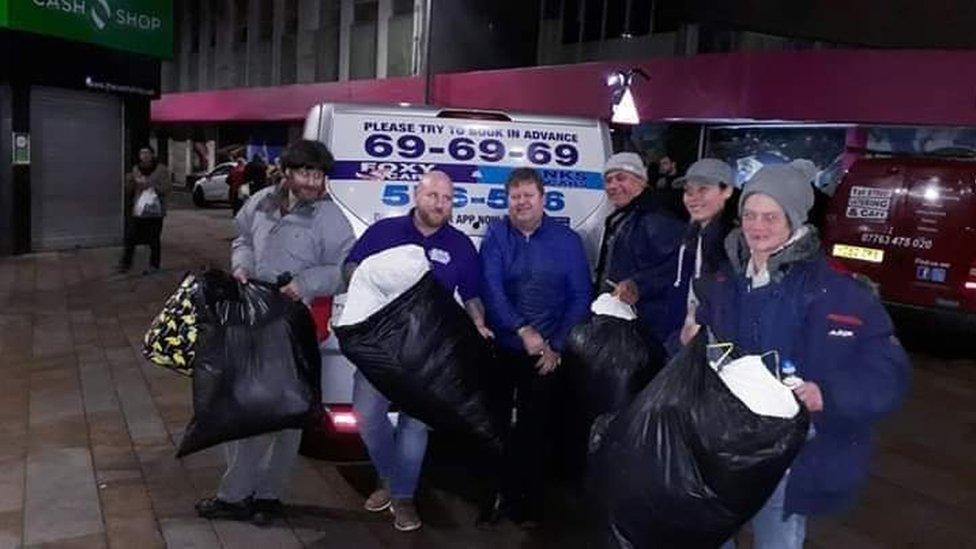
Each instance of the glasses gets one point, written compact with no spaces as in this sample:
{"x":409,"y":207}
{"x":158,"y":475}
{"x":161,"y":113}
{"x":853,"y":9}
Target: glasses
{"x":767,"y":218}
{"x":309,"y":173}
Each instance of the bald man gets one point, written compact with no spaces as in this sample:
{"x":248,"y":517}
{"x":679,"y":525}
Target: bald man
{"x":398,"y":452}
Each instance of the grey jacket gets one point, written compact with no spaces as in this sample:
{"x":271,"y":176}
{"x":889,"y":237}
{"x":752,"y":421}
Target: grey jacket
{"x":311,"y":242}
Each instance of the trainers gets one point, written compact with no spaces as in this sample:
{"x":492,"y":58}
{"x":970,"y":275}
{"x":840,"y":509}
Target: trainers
{"x":379,"y":500}
{"x":216,"y":508}
{"x":266,"y":511}
{"x":405,"y":517}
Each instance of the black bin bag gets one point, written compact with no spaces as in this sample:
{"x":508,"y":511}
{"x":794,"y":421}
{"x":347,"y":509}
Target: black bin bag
{"x":686,"y":464}
{"x":423,"y":353}
{"x":608,"y":362}
{"x":256,"y":368}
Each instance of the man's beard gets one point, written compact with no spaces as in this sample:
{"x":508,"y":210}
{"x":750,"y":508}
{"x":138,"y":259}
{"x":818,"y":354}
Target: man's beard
{"x":430,"y":221}
{"x":308,"y":193}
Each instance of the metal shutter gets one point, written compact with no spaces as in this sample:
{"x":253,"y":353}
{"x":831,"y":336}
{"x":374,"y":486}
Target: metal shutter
{"x":76,"y":168}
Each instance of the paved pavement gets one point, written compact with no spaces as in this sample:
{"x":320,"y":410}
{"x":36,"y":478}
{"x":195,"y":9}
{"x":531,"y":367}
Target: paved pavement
{"x":88,"y":432}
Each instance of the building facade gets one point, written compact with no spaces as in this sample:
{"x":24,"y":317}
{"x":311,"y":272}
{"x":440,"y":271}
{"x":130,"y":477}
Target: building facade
{"x":76,"y":81}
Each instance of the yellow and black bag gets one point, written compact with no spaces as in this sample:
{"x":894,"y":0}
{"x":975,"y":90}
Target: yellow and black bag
{"x":171,"y":339}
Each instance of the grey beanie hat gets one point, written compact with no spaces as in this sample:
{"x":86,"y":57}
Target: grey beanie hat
{"x":628,"y":162}
{"x":790,"y":185}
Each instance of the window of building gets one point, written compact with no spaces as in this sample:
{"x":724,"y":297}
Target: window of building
{"x":593,"y":20}
{"x":571,"y":21}
{"x":550,"y":9}
{"x":640,"y":17}
{"x":402,"y":7}
{"x":399,"y":51}
{"x":327,"y":43}
{"x":240,"y":25}
{"x":602,"y":19}
{"x":193,"y":17}
{"x":217,"y":16}
{"x":266,"y":18}
{"x":616,"y":16}
{"x":362,"y":47}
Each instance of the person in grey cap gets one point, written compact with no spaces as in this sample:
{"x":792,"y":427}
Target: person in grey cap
{"x":778,"y":294}
{"x":708,"y":185}
{"x":639,"y":251}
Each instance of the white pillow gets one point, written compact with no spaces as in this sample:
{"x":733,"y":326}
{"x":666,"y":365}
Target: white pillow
{"x":380,"y":279}
{"x":752,"y":383}
{"x":609,"y":305}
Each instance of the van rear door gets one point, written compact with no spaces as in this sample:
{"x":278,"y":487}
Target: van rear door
{"x":860,"y":221}
{"x":936,"y":231}
{"x":381,"y":152}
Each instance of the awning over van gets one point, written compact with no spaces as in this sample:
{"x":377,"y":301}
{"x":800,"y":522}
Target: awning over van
{"x":856,"y":86}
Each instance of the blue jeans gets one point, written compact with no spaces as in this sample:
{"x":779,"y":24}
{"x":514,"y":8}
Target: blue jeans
{"x":771,"y":530}
{"x":396,"y":452}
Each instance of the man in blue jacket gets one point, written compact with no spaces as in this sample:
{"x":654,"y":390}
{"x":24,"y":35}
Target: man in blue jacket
{"x":639,"y":252}
{"x":779,"y":294}
{"x":536,"y":287}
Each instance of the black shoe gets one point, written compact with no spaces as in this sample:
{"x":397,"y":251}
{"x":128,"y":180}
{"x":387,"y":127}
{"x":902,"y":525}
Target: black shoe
{"x":266,"y":511}
{"x":216,"y":508}
{"x":492,"y":510}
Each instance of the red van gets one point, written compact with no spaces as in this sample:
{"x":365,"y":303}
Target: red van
{"x":909,"y":224}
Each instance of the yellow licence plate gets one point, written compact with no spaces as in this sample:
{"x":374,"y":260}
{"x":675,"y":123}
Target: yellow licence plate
{"x":857,"y":252}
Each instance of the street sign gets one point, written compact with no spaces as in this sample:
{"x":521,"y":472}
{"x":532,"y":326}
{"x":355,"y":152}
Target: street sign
{"x":21,"y":148}
{"x":140,"y":26}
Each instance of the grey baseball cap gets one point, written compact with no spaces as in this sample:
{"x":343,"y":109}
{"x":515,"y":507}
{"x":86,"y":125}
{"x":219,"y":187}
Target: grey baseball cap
{"x":628,"y":162}
{"x":710,"y":171}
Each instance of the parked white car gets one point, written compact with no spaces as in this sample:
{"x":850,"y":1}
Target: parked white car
{"x":213,"y":187}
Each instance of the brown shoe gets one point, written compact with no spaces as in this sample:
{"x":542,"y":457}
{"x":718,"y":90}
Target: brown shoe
{"x":405,"y":516}
{"x":379,"y":500}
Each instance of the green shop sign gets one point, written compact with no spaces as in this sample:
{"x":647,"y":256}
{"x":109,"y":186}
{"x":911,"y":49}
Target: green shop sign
{"x":141,"y":26}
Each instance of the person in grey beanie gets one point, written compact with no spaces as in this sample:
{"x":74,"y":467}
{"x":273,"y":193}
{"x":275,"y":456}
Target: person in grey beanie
{"x":639,"y":251}
{"x":778,"y":295}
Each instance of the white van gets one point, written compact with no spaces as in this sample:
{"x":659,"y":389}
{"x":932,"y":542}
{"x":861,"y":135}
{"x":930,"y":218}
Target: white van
{"x":382,"y":151}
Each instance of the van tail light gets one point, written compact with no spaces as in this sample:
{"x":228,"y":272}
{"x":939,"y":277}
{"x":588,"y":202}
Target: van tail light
{"x":343,"y":418}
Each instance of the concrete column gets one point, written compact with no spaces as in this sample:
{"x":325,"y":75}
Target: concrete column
{"x":205,"y":56}
{"x":277,"y":36}
{"x":417,"y":48}
{"x":252,"y":59}
{"x":687,"y":43}
{"x":185,"y":44}
{"x":345,"y":38}
{"x":384,"y":13}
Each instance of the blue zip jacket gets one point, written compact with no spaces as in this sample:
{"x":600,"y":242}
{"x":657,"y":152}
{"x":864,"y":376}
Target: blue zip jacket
{"x":640,"y":243}
{"x":836,"y":332}
{"x":542,"y":280}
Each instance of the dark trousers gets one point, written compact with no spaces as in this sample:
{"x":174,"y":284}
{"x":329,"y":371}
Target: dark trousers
{"x":528,"y":441}
{"x":143,"y":230}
